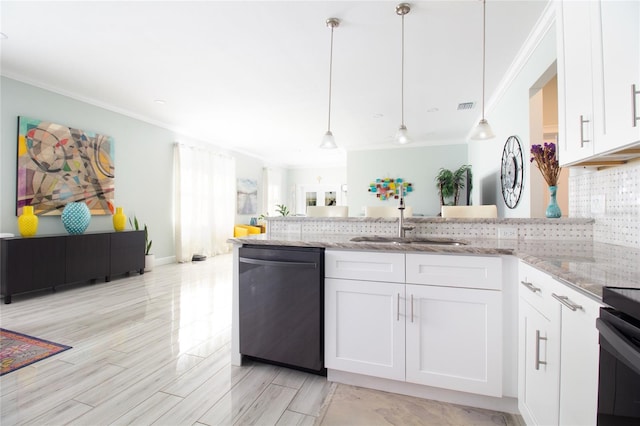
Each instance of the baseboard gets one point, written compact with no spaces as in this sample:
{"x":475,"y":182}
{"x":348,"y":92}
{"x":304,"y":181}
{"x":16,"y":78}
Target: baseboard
{"x":504,"y":404}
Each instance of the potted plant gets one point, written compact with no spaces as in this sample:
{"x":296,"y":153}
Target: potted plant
{"x":450,"y":183}
{"x":282,"y":209}
{"x":149,"y":259}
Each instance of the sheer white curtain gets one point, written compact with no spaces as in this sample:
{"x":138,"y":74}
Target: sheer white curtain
{"x":205,"y":186}
{"x":273,"y":192}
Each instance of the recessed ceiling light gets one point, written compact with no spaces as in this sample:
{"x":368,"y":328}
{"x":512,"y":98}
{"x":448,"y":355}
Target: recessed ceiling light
{"x":378,"y":115}
{"x":160,"y":101}
{"x":434,"y":109}
{"x":3,"y":36}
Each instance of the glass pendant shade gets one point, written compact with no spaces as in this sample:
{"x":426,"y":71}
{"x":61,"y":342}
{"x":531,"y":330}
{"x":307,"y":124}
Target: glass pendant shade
{"x":402,"y":136}
{"x":482,"y":131}
{"x":328,"y":141}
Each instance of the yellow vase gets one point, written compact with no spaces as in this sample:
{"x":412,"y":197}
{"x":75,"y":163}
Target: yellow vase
{"x":28,"y":222}
{"x":119,"y":220}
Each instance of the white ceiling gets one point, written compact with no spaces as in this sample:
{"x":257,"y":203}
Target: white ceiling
{"x":253,"y":76}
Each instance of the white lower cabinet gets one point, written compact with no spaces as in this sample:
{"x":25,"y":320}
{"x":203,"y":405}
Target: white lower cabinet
{"x":539,"y":377}
{"x":366,"y":330}
{"x":558,"y":352}
{"x":447,"y":336}
{"x":454,"y":338}
{"x":579,"y":359}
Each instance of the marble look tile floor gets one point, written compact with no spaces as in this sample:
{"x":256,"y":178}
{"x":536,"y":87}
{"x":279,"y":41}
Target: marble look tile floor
{"x":155,"y":349}
{"x":355,"y":406}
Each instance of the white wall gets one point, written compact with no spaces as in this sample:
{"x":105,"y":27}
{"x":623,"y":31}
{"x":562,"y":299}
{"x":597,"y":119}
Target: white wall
{"x":333,"y":176}
{"x":417,"y":165}
{"x":143,"y":161}
{"x":509,"y":115}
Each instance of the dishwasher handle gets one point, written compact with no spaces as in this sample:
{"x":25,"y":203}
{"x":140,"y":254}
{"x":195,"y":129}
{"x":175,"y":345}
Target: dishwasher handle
{"x":280,"y":264}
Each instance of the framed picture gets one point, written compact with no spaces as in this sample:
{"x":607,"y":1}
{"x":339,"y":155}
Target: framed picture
{"x":247,"y":196}
{"x":58,"y":164}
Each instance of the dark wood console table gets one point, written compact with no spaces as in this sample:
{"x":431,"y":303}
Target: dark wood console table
{"x":47,"y":261}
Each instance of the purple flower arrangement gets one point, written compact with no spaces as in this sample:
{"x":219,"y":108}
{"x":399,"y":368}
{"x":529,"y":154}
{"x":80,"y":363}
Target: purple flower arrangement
{"x":547,"y":161}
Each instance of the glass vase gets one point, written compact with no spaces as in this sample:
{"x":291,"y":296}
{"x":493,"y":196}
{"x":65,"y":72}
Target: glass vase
{"x":553,"y":210}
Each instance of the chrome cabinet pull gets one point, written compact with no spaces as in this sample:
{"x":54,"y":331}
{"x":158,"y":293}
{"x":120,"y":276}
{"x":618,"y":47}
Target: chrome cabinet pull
{"x":634,"y":105}
{"x":566,"y":302}
{"x":582,"y":139}
{"x":412,"y":308}
{"x":538,"y":362}
{"x":530,"y":286}
{"x":398,"y":308}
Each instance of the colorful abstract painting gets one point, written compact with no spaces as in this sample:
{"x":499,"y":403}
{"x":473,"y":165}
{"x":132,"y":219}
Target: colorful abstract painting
{"x":388,"y":188}
{"x":59,"y":164}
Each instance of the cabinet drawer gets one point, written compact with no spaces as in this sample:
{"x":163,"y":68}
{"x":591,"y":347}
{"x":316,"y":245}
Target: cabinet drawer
{"x":535,"y":287}
{"x":455,"y":271}
{"x":371,"y":266}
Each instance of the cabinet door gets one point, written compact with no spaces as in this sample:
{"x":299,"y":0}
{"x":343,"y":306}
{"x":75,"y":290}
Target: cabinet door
{"x":580,"y":355}
{"x":364,"y":328}
{"x":575,"y":81}
{"x":454,"y":338}
{"x":32,"y":264}
{"x":127,"y":252}
{"x":87,"y":257}
{"x":539,"y":365}
{"x":619,"y":49}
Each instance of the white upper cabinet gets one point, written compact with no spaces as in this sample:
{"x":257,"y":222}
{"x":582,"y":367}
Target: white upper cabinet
{"x":619,"y":47}
{"x":575,"y":81}
{"x":598,"y":64}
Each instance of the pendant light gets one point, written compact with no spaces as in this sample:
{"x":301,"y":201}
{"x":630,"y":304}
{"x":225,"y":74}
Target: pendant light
{"x":402,"y":137}
{"x":328,"y":141}
{"x":483,"y":130}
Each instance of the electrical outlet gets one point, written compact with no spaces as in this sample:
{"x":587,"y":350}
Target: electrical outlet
{"x":507,"y":233}
{"x":598,"y":204}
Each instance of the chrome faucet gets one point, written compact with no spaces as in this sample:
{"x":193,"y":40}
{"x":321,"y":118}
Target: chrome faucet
{"x":401,"y":226}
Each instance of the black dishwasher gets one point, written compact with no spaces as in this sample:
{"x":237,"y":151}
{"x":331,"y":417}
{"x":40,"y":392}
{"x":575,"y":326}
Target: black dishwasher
{"x":281,"y":298}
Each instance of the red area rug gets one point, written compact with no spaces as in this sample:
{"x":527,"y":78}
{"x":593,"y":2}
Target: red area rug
{"x":18,"y":350}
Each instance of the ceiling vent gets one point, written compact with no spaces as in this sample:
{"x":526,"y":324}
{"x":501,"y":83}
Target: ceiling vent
{"x":465,"y":105}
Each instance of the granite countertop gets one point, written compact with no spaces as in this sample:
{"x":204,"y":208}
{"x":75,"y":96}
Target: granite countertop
{"x":585,"y":265}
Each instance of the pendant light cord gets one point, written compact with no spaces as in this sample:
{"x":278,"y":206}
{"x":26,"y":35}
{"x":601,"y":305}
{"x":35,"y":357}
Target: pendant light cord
{"x":330,"y":75}
{"x":484,"y":17}
{"x":402,"y":77}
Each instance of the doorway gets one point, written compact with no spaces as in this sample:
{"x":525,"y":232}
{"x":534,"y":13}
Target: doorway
{"x":543,"y":125}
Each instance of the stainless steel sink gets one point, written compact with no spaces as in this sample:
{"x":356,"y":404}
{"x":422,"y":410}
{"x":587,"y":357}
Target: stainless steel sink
{"x":407,"y":240}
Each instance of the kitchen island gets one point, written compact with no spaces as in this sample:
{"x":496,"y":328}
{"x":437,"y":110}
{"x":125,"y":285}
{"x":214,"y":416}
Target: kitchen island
{"x":581,"y":263}
{"x":562,"y":250}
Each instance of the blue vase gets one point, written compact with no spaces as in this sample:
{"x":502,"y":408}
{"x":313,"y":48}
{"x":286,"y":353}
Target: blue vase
{"x":553,"y":210}
{"x":76,"y":218}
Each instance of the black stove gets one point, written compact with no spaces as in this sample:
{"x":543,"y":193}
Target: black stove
{"x":619,"y":379}
{"x":623,"y":299}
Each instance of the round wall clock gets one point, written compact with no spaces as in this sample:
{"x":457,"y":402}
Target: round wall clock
{"x":512,"y":173}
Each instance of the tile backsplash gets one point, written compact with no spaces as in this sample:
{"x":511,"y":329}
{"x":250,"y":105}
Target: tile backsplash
{"x":612,"y":197}
{"x":564,"y":229}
